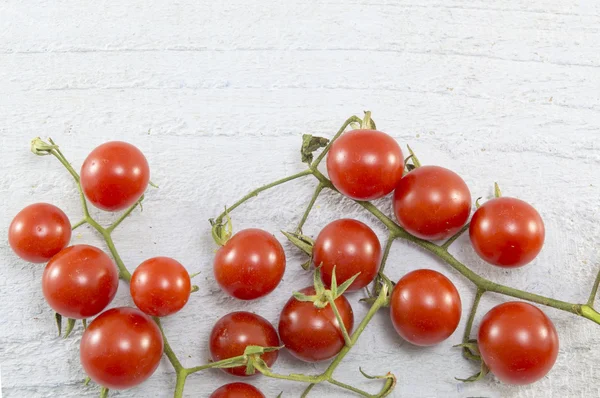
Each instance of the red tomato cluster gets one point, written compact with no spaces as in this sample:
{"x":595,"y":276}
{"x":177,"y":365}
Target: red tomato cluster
{"x":122,"y":346}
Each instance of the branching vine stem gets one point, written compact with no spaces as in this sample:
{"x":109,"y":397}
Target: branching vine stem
{"x":382,"y":293}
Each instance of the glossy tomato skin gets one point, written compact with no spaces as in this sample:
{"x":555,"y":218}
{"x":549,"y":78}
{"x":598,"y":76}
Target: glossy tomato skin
{"x":432,"y":202}
{"x":425,"y":307}
{"x":352,"y":247}
{"x":507,"y":232}
{"x":365,"y":164}
{"x":237,"y":390}
{"x":38,"y":232}
{"x":313,"y":334}
{"x":160,"y":286}
{"x":235,"y":331}
{"x":518,"y":342}
{"x":121,"y":348}
{"x":80,"y":281}
{"x":114,"y":175}
{"x":250,"y":265}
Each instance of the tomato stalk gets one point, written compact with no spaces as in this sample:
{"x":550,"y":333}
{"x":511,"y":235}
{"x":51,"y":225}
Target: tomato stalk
{"x":467,"y":352}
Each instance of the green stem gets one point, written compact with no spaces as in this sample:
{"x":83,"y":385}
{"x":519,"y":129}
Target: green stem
{"x":124,"y":215}
{"x":307,"y":390}
{"x":103,"y":392}
{"x":180,"y":383}
{"x":318,"y":190}
{"x":467,"y":334}
{"x":259,"y":190}
{"x":123,"y":272}
{"x":78,"y":224}
{"x":386,"y":252}
{"x":457,"y":235}
{"x":349,"y":387}
{"x":168,"y":351}
{"x":319,"y":158}
{"x":594,"y":291}
{"x":338,"y":316}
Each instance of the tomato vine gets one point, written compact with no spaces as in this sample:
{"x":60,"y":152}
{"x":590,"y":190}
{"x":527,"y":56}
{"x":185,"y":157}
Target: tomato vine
{"x":381,"y":288}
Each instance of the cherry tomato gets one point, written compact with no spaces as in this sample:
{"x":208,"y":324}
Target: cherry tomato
{"x":121,"y":348}
{"x":160,"y":286}
{"x":38,"y":232}
{"x":507,"y":232}
{"x":80,"y":281}
{"x":518,"y":342}
{"x":114,"y":175}
{"x":237,"y":390}
{"x":250,"y":265}
{"x":352,"y":247}
{"x":365,"y":164}
{"x":425,"y":307}
{"x":313,"y":334}
{"x":235,"y":331}
{"x":432,"y":202}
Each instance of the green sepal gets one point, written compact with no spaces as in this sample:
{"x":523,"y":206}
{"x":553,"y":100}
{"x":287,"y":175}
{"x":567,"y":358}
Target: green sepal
{"x":309,"y":145}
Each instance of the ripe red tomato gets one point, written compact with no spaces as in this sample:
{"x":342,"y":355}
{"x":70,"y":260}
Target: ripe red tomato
{"x":352,"y":247}
{"x":237,"y":390}
{"x":250,"y":265}
{"x":507,"y":232}
{"x":432,"y":202}
{"x":114,"y":175}
{"x":38,"y":232}
{"x":121,"y":348}
{"x":235,"y":331}
{"x":518,"y":342}
{"x":425,"y":307}
{"x":365,"y":164}
{"x":80,"y":281}
{"x":313,"y":334}
{"x":160,"y":286}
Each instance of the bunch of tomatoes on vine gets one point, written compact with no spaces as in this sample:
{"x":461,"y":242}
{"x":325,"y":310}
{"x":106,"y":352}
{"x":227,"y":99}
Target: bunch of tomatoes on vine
{"x":122,"y":347}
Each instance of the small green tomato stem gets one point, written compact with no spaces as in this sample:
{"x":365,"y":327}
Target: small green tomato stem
{"x":123,"y":272}
{"x":309,"y":208}
{"x":386,"y":252}
{"x":124,"y":215}
{"x":168,"y":350}
{"x":469,"y":325}
{"x":307,"y":390}
{"x":78,"y":224}
{"x":594,"y":291}
{"x":261,"y":189}
{"x":351,"y":119}
{"x":180,"y":383}
{"x":103,"y":392}
{"x":338,"y":316}
{"x":349,"y":387}
{"x":457,"y":235}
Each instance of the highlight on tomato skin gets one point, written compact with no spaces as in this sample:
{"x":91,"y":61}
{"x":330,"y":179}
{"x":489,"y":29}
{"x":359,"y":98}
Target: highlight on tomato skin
{"x":518,"y":342}
{"x":235,"y":331}
{"x":250,"y":265}
{"x":38,"y":232}
{"x":425,"y":307}
{"x":365,"y":164}
{"x":507,"y":232}
{"x":313,"y":334}
{"x":121,"y":348}
{"x":114,"y":176}
{"x":80,"y":281}
{"x":351,"y":247}
{"x":237,"y":390}
{"x":432,"y":202}
{"x":160,"y":286}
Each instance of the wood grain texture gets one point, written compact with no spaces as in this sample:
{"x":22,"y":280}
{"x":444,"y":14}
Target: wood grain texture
{"x":217,"y":95}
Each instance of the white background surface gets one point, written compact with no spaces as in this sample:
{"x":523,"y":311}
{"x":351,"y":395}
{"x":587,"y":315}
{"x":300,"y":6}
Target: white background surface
{"x":217,"y":95}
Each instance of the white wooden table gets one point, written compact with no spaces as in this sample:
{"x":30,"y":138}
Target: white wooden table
{"x":217,"y":95}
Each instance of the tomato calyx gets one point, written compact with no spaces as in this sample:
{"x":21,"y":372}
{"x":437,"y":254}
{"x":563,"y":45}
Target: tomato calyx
{"x":368,"y":123}
{"x":251,"y":358}
{"x":323,"y":296}
{"x":70,"y":325}
{"x":497,"y":191}
{"x":302,"y":242}
{"x":221,"y":232}
{"x":389,"y":385}
{"x":42,"y":148}
{"x":413,"y":159}
{"x":310,"y":144}
{"x":471,"y":351}
{"x":381,"y":280}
